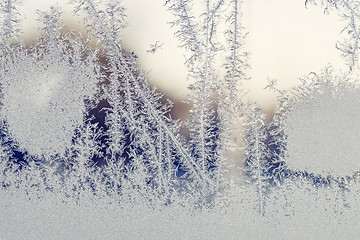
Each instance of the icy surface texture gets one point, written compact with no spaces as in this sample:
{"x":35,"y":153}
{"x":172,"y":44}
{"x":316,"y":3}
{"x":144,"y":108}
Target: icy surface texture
{"x":321,"y":126}
{"x":88,"y":150}
{"x":43,"y":96}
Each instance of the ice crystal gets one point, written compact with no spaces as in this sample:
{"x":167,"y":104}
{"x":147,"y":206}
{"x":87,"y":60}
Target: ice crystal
{"x":322,"y":127}
{"x":43,"y":96}
{"x":89,"y":150}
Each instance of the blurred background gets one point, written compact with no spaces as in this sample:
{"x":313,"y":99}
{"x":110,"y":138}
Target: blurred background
{"x":286,"y":40}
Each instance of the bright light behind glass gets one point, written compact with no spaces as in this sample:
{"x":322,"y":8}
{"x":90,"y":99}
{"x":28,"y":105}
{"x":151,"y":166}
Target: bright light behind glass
{"x":285,"y":41}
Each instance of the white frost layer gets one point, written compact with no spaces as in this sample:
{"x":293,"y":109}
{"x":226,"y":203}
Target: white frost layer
{"x":323,"y":132}
{"x":43,"y":100}
{"x":293,"y":212}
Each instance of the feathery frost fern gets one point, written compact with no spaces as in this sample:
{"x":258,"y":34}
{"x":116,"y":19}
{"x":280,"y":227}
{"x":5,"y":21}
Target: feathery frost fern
{"x":89,"y":149}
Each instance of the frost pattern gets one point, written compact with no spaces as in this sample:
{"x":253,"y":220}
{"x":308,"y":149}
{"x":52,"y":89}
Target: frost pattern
{"x":349,"y":12}
{"x":325,"y":116}
{"x":52,"y":97}
{"x":89,"y":150}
